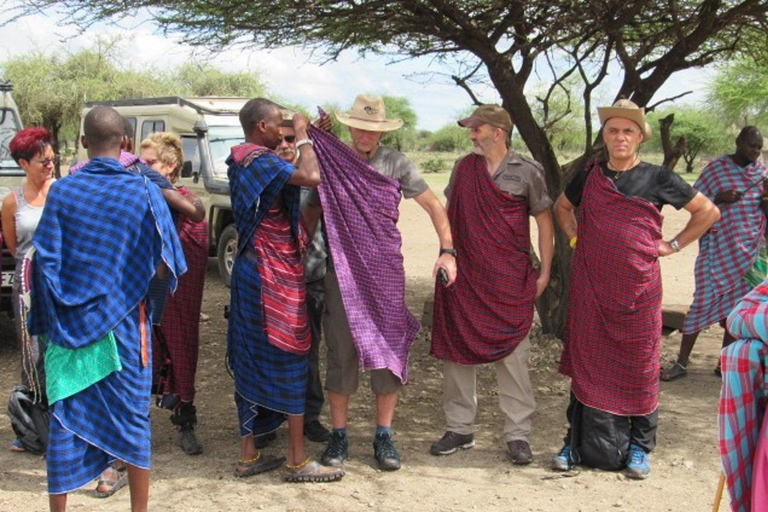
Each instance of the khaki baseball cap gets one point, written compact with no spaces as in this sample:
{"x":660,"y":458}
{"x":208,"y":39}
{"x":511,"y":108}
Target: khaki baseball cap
{"x":493,"y":115}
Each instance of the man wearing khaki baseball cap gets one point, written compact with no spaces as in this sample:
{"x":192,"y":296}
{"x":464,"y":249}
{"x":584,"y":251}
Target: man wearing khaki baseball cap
{"x":367,"y":122}
{"x":612,"y":340}
{"x":486,"y":316}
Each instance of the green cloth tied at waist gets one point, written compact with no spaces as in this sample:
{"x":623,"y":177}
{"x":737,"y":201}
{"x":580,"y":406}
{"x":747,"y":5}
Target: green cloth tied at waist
{"x":69,"y":371}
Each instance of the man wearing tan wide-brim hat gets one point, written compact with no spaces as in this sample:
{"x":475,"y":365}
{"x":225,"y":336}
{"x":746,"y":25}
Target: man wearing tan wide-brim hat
{"x":612,"y":340}
{"x":367,"y":121}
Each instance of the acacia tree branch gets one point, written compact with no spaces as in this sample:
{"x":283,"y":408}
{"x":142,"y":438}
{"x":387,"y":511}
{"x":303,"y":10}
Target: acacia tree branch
{"x":462,"y":82}
{"x":650,"y":108}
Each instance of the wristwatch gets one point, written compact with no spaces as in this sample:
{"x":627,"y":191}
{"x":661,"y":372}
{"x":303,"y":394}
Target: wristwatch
{"x":675,"y":245}
{"x":452,"y":252}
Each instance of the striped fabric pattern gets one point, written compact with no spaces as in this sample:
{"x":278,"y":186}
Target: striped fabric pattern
{"x":269,"y":382}
{"x":181,"y":319}
{"x":360,"y":211}
{"x":284,"y":290}
{"x":728,"y":250}
{"x":488,"y":311}
{"x":742,"y":419}
{"x":118,"y":230}
{"x":612,"y":339}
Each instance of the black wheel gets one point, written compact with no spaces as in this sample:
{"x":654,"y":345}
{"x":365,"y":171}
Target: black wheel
{"x":226,"y":252}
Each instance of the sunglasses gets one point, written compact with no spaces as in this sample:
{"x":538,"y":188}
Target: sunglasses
{"x":49,"y":161}
{"x":290,"y":139}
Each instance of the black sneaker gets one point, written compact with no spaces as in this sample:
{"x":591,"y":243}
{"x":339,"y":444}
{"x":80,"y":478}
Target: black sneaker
{"x":315,"y":431}
{"x":264,"y":440}
{"x":385,"y":453}
{"x":451,"y":442}
{"x":188,"y":440}
{"x":335,"y":452}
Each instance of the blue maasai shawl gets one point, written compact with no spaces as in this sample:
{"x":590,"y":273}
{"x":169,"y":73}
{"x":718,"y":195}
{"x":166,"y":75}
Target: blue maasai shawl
{"x":269,"y":382}
{"x":101,"y":237}
{"x":82,"y":290}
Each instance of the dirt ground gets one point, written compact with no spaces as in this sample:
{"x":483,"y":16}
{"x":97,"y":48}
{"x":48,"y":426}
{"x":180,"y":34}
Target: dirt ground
{"x":685,"y":463}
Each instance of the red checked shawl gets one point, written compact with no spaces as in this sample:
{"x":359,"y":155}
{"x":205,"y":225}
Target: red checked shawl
{"x":612,"y":339}
{"x":488,"y":311}
{"x":181,"y":318}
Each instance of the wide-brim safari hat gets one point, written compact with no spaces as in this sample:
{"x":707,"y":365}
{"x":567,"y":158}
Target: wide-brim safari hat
{"x":626,"y":109}
{"x":368,"y":113}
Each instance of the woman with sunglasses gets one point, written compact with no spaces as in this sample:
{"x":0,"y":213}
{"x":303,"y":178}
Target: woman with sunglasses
{"x":180,"y":324}
{"x":32,"y":149}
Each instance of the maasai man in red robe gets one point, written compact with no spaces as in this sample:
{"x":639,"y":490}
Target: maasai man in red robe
{"x":486,"y":315}
{"x":612,"y":339}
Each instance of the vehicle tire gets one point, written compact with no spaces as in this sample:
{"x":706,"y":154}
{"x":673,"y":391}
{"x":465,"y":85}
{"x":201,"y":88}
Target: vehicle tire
{"x":226,"y":252}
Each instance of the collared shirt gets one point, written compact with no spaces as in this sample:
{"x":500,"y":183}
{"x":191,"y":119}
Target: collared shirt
{"x":517,"y":175}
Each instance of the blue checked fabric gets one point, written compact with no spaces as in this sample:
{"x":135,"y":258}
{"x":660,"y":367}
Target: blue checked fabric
{"x":101,"y":237}
{"x":269,"y":382}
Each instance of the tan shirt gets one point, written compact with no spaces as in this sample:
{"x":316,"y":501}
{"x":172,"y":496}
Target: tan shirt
{"x":517,"y":175}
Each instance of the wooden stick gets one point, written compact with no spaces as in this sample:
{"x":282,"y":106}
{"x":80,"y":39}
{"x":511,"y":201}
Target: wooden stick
{"x":719,"y":493}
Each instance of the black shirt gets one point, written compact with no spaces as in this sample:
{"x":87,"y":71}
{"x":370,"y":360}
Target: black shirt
{"x":654,"y":183}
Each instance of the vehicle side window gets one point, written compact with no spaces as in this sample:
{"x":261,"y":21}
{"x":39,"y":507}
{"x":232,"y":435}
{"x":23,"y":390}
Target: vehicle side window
{"x":132,"y":121}
{"x":191,"y":151}
{"x":151,"y":126}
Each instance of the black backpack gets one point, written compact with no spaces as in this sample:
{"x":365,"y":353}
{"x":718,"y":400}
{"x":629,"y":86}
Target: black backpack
{"x":29,"y":420}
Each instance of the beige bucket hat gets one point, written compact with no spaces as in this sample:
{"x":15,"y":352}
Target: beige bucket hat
{"x":287,"y":115}
{"x":369,"y":113}
{"x":626,"y":109}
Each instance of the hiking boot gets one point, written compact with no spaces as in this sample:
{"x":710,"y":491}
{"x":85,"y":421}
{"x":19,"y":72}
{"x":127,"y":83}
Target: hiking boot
{"x":519,"y":452}
{"x":315,"y":431}
{"x":639,"y":465}
{"x":264,"y":440}
{"x":188,"y":440}
{"x":385,"y":452}
{"x":451,"y":442}
{"x":335,"y":452}
{"x":563,"y":461}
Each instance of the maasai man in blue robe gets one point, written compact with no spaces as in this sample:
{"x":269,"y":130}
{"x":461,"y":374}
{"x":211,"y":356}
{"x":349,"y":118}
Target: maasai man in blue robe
{"x":105,"y":233}
{"x":268,"y":340}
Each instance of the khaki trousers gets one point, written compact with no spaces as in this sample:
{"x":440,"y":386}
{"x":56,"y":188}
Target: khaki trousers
{"x":515,"y":394}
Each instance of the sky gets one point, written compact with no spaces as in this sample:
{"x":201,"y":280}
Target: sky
{"x":291,"y":72}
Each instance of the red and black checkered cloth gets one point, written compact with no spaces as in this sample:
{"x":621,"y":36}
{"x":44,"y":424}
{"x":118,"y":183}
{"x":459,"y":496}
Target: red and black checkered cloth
{"x":181,"y":319}
{"x":612,"y":339}
{"x":488,"y":311}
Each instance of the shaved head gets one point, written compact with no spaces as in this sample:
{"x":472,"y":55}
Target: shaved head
{"x":103,"y":129}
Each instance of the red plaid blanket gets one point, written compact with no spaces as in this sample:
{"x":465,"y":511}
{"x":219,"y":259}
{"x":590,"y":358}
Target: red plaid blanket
{"x":612,"y":339}
{"x":488,"y":311}
{"x":181,"y":319}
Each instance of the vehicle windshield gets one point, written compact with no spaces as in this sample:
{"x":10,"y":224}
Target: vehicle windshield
{"x":9,"y":125}
{"x":222,"y":138}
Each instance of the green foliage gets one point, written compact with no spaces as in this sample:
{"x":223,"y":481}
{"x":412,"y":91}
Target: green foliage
{"x":705,"y":134}
{"x":559,"y":110}
{"x":399,"y":107}
{"x":739,"y":92}
{"x":433,"y":165}
{"x":52,"y":89}
{"x":450,"y":137}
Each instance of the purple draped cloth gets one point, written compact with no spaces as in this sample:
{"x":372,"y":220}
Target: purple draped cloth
{"x":360,"y":211}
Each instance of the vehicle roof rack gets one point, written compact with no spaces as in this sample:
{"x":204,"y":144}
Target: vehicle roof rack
{"x":170,"y":100}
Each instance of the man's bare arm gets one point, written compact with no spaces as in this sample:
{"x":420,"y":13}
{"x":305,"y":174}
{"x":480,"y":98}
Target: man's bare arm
{"x":177,"y":202}
{"x":565,"y":213}
{"x":434,"y":208}
{"x":704,"y":213}
{"x":307,"y":173}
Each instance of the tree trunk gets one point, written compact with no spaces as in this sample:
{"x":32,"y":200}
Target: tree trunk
{"x":671,"y":153}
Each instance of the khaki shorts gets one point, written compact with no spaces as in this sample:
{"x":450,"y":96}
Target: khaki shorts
{"x":342,"y":374}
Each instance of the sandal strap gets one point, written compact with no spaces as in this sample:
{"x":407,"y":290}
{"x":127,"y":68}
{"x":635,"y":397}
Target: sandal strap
{"x":299,"y":466}
{"x":245,"y":462}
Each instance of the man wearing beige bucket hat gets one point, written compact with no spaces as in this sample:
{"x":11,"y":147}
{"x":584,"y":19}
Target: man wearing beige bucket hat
{"x":612,"y":339}
{"x":356,"y":338}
